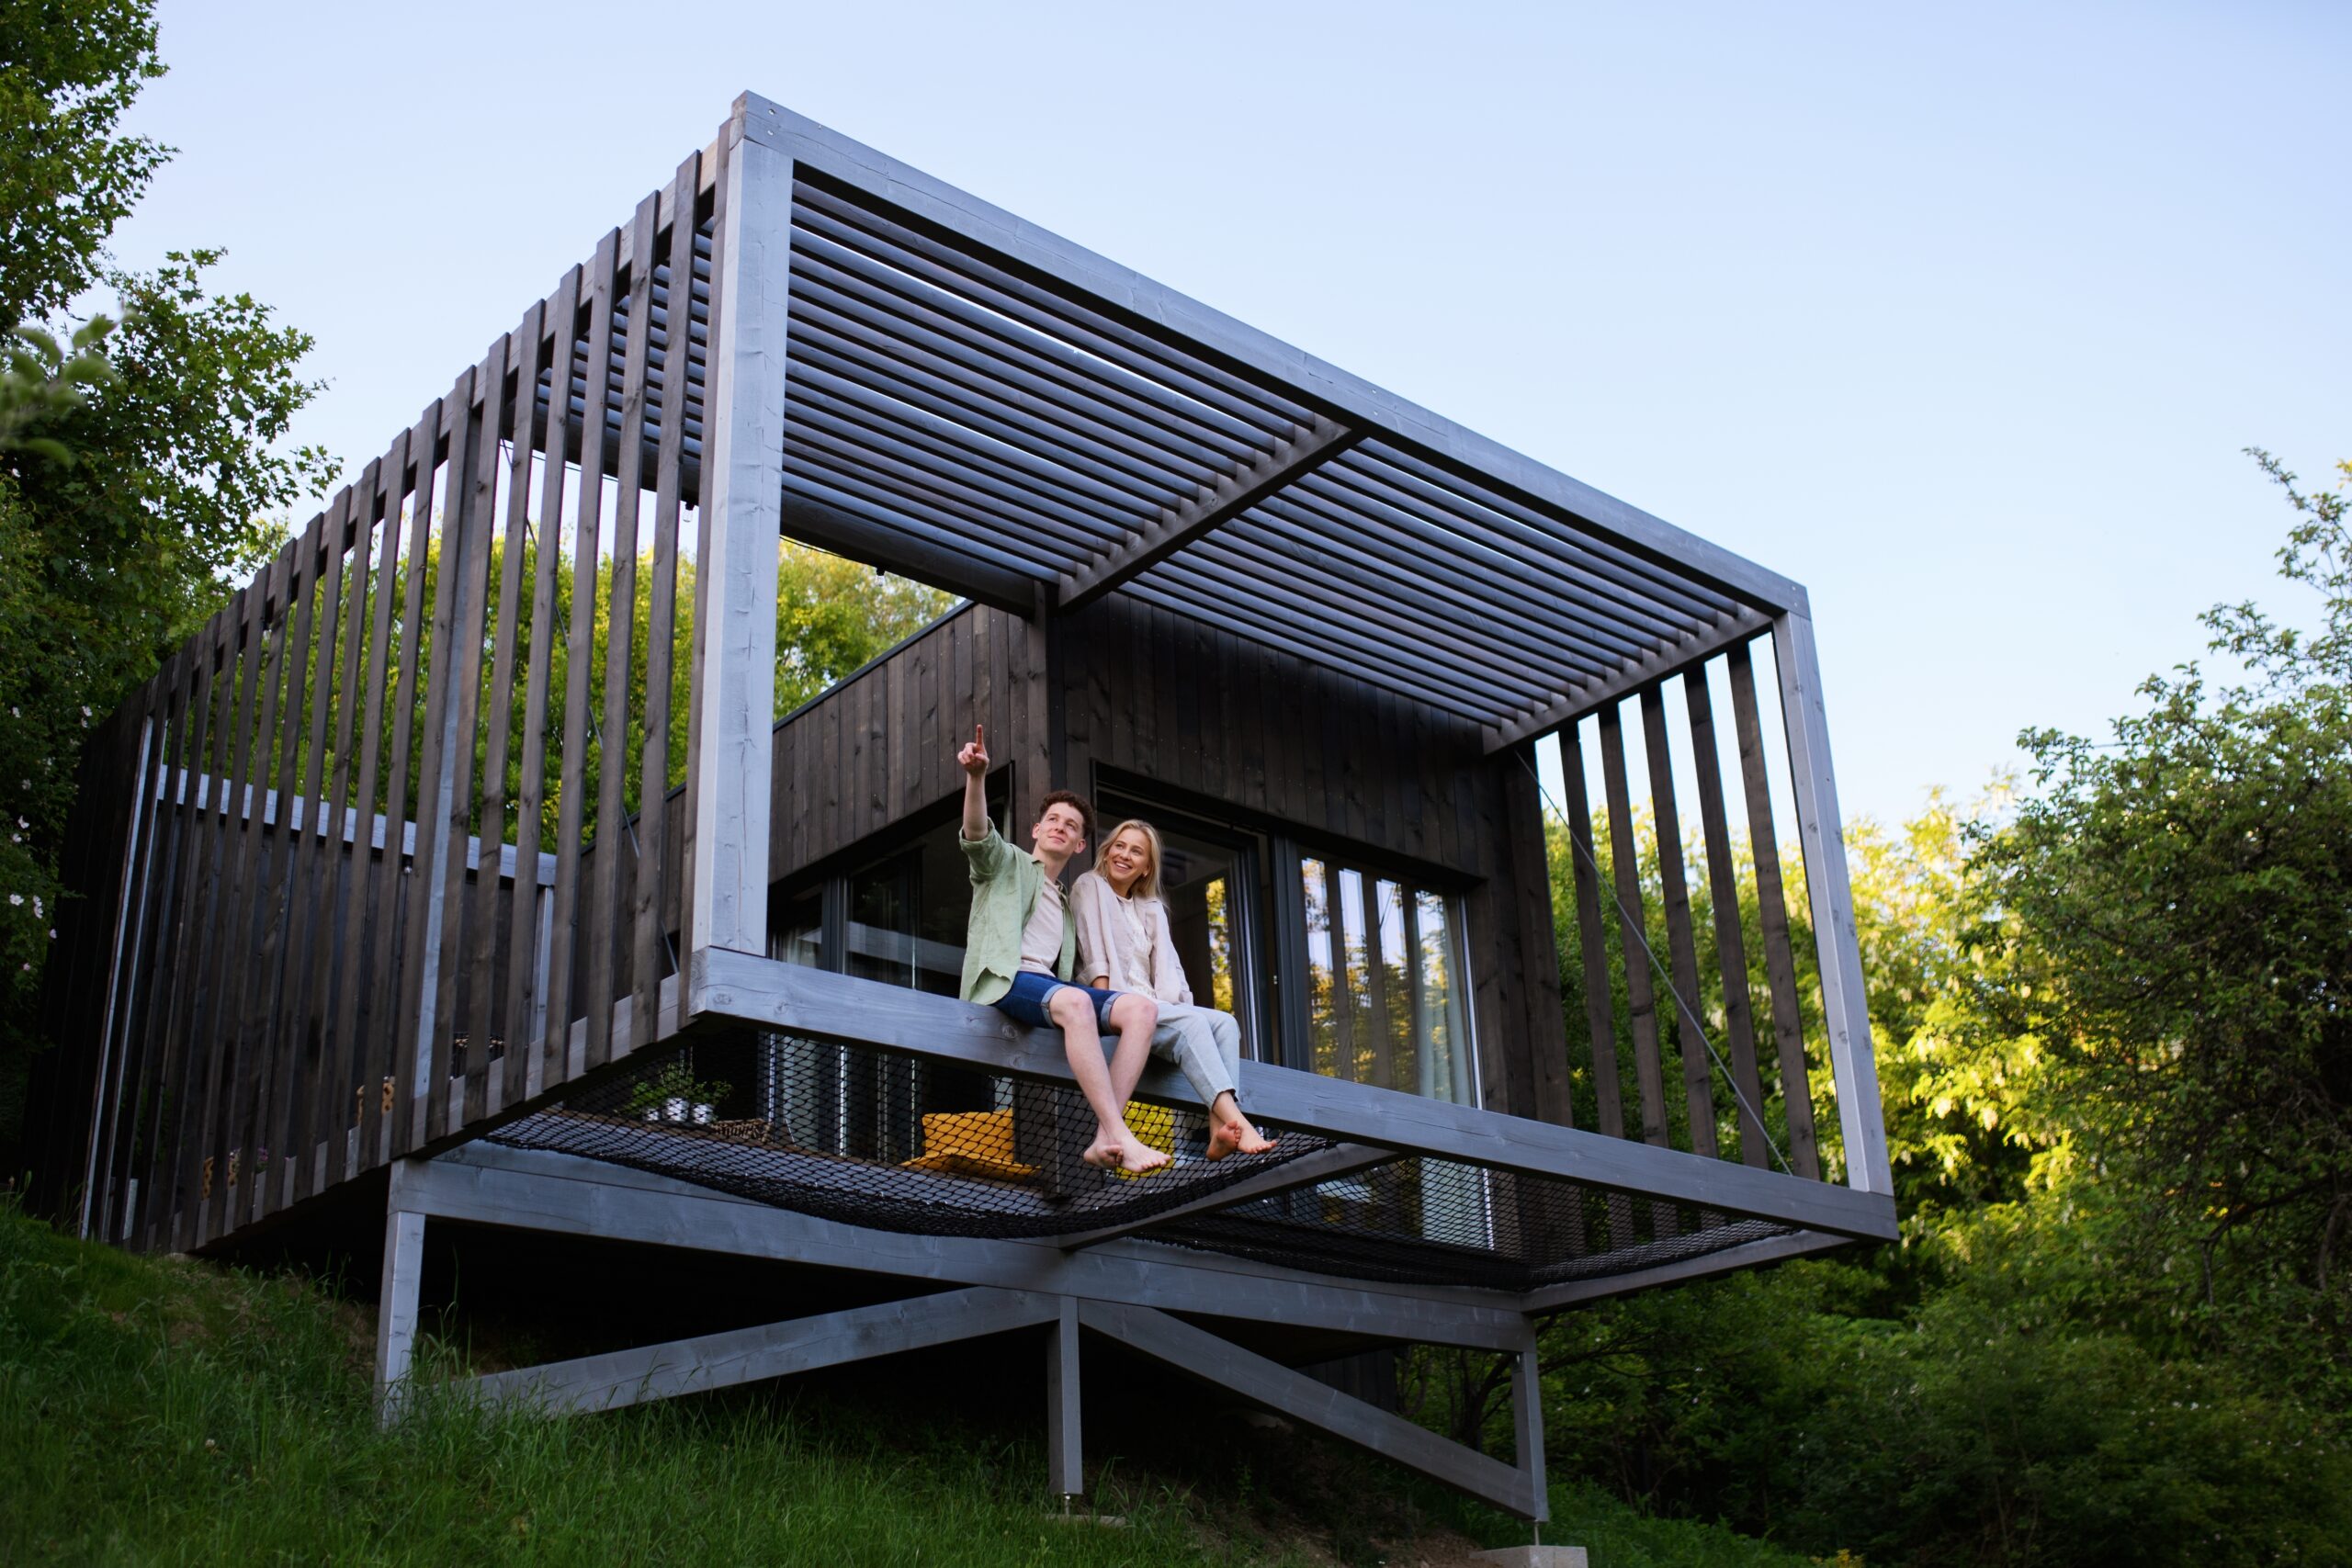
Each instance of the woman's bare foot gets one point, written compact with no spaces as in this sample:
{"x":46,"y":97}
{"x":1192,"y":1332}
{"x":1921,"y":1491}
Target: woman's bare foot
{"x":1236,"y":1137}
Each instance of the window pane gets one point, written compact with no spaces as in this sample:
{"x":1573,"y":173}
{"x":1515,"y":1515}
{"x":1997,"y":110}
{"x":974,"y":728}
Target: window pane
{"x":1384,"y":1000}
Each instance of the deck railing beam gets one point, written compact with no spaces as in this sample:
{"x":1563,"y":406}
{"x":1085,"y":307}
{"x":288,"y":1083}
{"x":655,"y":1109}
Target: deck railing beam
{"x":775,"y":994}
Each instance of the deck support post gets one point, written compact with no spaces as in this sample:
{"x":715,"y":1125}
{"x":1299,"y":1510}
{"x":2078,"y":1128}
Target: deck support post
{"x":1064,"y":1446}
{"x":1527,"y":1431}
{"x":1845,"y":1004}
{"x":396,"y":1304}
{"x":731,"y":755}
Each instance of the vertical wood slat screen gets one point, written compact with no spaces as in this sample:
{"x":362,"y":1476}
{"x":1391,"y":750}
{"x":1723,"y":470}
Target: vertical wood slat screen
{"x":1635,"y":991}
{"x":399,"y":855}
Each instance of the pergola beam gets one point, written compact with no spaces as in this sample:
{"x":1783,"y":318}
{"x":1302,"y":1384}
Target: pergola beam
{"x":1307,"y":448}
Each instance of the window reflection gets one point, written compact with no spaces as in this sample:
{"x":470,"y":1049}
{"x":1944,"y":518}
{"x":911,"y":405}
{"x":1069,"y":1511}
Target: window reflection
{"x":1384,"y":1003}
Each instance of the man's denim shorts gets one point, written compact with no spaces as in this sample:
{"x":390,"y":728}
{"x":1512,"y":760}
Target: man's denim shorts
{"x":1032,"y":991}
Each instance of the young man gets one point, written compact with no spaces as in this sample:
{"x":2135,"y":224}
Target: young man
{"x":1021,"y":949}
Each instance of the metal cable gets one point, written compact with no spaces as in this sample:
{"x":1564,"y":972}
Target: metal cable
{"x":1628,"y":923}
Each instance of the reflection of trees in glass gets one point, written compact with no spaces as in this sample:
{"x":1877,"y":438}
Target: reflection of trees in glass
{"x":1382,"y":1007}
{"x":1220,"y":946}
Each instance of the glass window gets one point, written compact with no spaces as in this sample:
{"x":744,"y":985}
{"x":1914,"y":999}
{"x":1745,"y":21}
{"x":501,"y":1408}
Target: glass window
{"x":1384,"y":999}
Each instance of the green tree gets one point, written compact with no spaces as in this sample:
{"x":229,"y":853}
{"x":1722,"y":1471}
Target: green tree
{"x":69,"y":69}
{"x":132,"y":491}
{"x":2169,"y":913}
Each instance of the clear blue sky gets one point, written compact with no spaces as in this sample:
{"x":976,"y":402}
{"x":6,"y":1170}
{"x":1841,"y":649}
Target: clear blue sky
{"x":1960,"y":319}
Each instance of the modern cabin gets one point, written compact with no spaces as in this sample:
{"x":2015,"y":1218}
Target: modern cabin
{"x":463,"y":872}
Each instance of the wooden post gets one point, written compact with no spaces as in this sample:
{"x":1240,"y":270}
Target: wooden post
{"x":396,"y":1304}
{"x":1527,"y":1422}
{"x":1844,"y":1002}
{"x":1065,"y":1449}
{"x":742,"y":517}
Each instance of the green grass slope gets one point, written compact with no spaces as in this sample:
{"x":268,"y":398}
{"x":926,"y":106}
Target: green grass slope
{"x":157,"y":1411}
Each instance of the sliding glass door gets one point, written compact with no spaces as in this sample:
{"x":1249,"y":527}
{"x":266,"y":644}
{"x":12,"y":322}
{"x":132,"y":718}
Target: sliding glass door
{"x":1385,"y":1003}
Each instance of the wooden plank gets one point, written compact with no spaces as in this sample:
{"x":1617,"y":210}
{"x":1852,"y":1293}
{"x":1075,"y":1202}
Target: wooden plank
{"x":1698,"y":1076}
{"x":1747,"y":1254}
{"x":172,"y":1206}
{"x":145,"y":1152}
{"x":1600,"y":1027}
{"x":616,"y":848}
{"x":122,"y":1089}
{"x":337,"y":911}
{"x":620,"y":1378}
{"x":1845,"y":999}
{"x":231,"y":925}
{"x":1641,"y":1002}
{"x":495,"y":1023}
{"x":574,"y":919}
{"x":1065,"y":1441}
{"x":525,"y":1057}
{"x":410,"y":981}
{"x":1233,"y":1369}
{"x":274,"y":1040}
{"x":310,"y":962}
{"x":1731,"y":950}
{"x":1772,"y":917}
{"x":473,"y":464}
{"x":1536,"y":957}
{"x":370,"y":965}
{"x":655,"y":871}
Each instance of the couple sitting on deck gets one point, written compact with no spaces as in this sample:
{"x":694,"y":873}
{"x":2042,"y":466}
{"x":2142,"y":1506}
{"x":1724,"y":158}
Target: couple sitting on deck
{"x":1030,"y":943}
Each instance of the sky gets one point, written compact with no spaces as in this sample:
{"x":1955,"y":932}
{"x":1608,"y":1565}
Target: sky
{"x":1959,"y":317}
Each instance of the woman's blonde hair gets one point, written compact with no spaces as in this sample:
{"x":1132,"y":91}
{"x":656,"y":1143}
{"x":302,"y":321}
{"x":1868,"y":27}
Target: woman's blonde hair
{"x":1146,"y":883}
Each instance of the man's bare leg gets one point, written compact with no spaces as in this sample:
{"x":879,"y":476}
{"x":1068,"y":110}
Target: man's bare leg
{"x":1230,"y":1133}
{"x":1113,"y":1144}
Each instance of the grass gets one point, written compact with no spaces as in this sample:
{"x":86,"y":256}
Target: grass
{"x":166,"y":1411}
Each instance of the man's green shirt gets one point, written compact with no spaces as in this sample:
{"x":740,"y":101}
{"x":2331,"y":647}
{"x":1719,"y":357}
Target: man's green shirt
{"x":1005,"y":888}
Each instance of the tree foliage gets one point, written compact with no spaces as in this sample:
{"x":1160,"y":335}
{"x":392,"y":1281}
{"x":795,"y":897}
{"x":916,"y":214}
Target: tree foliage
{"x":69,"y":69}
{"x":142,"y":465}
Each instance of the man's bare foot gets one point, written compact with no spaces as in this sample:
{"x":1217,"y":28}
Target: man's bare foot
{"x":1101,"y":1155}
{"x":1236,"y":1137}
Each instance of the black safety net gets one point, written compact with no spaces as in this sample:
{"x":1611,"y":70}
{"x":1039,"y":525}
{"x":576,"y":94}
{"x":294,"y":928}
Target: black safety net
{"x":892,"y":1142}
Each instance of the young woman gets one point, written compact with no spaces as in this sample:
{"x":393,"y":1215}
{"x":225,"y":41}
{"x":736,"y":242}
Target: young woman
{"x":1124,"y":945}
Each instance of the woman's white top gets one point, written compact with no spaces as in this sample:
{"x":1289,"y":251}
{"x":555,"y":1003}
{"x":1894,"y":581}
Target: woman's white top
{"x":1127,"y":940}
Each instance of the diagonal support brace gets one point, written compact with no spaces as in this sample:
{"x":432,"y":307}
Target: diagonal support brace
{"x":771,"y":1351}
{"x":1516,"y":1489}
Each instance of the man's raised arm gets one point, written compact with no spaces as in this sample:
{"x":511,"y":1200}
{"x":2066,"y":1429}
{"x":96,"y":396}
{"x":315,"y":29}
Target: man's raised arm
{"x":974,"y":760}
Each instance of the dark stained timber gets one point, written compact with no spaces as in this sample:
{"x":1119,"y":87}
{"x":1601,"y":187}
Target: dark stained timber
{"x":575,"y":925}
{"x":1731,"y":946}
{"x":1698,"y":1081}
{"x":1772,"y":916}
{"x":618,"y":847}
